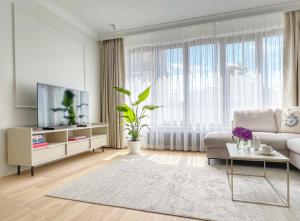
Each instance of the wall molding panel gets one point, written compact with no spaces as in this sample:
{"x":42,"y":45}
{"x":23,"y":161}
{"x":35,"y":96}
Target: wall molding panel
{"x":43,"y":53}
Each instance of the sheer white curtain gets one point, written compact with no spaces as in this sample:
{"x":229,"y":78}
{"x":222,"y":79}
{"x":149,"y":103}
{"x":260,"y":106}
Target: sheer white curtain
{"x":201,"y":74}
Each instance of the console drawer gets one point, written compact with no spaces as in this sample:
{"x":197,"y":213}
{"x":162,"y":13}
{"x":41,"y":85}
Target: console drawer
{"x":99,"y":141}
{"x":47,"y":154}
{"x":78,"y":147}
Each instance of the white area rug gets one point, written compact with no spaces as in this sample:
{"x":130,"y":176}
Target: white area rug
{"x":183,"y":186}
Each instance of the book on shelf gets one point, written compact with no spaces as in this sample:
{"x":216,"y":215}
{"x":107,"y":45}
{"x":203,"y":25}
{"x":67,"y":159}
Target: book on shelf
{"x":38,"y":139}
{"x":37,"y":136}
{"x":38,"y":145}
{"x":75,"y":138}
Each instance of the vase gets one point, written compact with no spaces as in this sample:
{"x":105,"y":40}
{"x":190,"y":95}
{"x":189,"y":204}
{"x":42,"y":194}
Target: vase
{"x":134,"y":147}
{"x":242,"y":144}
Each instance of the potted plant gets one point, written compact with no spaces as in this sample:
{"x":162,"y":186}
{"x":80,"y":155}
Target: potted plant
{"x":133,"y":115}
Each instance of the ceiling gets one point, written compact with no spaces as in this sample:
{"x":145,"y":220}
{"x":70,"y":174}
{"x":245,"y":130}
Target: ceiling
{"x":129,"y":15}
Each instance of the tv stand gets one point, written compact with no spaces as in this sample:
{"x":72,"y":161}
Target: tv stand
{"x":21,"y":152}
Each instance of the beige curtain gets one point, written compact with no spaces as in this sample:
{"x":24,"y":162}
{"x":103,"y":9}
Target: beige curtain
{"x":291,"y":59}
{"x":112,"y":74}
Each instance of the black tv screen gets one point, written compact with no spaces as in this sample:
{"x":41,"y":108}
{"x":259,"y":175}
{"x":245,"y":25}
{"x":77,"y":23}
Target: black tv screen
{"x":59,"y":106}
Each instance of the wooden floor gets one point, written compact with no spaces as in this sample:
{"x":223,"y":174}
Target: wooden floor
{"x":23,"y":197}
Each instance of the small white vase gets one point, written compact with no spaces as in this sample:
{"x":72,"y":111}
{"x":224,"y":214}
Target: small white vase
{"x":134,"y":147}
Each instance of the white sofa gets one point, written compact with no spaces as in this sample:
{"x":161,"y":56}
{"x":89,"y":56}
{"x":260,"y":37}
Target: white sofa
{"x":265,"y":124}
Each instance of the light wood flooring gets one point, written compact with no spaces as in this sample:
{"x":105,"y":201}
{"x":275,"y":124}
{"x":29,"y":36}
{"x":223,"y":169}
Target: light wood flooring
{"x":23,"y":197}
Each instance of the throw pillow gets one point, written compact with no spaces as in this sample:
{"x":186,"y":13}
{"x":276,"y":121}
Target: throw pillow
{"x":290,"y":120}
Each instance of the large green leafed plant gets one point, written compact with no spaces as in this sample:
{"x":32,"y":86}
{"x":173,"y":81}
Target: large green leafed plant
{"x":133,"y":114}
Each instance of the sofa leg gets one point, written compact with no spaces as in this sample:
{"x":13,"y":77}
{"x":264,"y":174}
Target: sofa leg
{"x":18,"y":170}
{"x":32,"y":171}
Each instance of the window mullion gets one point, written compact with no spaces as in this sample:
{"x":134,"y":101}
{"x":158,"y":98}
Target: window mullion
{"x":259,"y":65}
{"x":225,"y":82}
{"x":186,"y":82}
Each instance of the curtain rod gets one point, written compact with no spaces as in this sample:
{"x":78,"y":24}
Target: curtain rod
{"x":281,"y":7}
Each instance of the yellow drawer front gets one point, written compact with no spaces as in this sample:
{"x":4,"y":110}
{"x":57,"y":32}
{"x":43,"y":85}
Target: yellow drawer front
{"x":100,"y":141}
{"x":47,"y":154}
{"x":78,"y":147}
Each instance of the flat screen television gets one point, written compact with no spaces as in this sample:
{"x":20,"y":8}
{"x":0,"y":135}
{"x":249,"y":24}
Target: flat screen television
{"x":61,"y":107}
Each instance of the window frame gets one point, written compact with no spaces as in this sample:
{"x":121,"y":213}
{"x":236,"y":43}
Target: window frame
{"x":220,"y":44}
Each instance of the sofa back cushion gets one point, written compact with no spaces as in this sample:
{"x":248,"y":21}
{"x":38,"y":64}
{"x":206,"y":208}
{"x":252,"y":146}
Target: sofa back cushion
{"x":256,"y":120}
{"x":288,"y":120}
{"x":278,"y":118}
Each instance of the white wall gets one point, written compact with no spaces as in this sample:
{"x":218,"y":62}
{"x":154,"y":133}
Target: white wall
{"x":11,"y":116}
{"x":58,"y":57}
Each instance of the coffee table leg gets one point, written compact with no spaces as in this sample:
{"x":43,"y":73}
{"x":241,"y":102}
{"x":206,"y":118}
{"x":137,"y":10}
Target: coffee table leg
{"x":227,"y":166}
{"x":231,"y":169}
{"x":288,"y":184}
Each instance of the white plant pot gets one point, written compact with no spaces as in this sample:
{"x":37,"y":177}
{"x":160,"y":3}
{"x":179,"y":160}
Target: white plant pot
{"x":134,"y":147}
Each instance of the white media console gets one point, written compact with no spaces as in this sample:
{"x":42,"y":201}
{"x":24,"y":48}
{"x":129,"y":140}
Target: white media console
{"x":21,"y":152}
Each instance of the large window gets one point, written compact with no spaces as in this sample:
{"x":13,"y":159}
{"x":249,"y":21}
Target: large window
{"x":201,"y":82}
{"x":203,"y":85}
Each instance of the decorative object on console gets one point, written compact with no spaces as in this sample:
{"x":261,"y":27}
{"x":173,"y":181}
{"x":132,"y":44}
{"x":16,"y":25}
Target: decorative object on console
{"x":133,"y":117}
{"x":39,"y":145}
{"x":38,"y":139}
{"x":76,"y":138}
{"x":243,"y":134}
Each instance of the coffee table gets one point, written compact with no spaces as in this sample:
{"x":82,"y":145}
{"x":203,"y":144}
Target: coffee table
{"x":247,"y":155}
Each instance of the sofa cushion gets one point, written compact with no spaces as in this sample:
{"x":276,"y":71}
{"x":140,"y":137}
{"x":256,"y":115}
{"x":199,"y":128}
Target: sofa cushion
{"x":294,"y":145}
{"x":289,"y":120}
{"x":218,"y":140}
{"x":278,"y":118}
{"x":256,"y":120}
